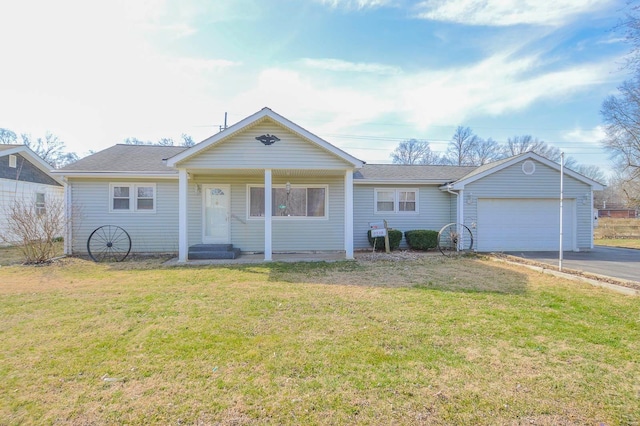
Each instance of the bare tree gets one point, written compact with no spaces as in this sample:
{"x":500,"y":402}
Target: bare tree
{"x":135,"y":141}
{"x":591,"y":171}
{"x":621,"y":115}
{"x":460,"y":151}
{"x":486,"y":151}
{"x":8,"y":137}
{"x":187,"y":140}
{"x":51,"y":149}
{"x":165,"y":142}
{"x":520,"y":144}
{"x":412,"y":151}
{"x":34,"y":227}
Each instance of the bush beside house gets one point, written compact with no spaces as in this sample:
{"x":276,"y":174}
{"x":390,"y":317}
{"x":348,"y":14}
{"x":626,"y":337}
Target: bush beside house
{"x":421,"y":239}
{"x":395,"y":237}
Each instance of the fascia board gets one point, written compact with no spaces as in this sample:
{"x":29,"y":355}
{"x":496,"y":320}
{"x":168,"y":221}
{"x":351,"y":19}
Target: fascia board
{"x":116,"y":175}
{"x":396,"y":182}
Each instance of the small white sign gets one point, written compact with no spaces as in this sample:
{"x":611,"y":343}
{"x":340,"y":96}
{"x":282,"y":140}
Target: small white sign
{"x":378,"y":233}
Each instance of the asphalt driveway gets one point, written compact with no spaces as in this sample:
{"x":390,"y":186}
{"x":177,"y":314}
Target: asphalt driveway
{"x":614,"y":262}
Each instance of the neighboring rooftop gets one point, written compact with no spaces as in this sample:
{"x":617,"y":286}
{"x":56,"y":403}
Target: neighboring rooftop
{"x":127,"y":158}
{"x":418,"y":173}
{"x":4,"y":147}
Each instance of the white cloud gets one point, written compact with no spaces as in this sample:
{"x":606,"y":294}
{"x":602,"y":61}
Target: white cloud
{"x":507,"y":12}
{"x":494,"y":86}
{"x":356,"y":4}
{"x":329,"y":64}
{"x":296,"y":96}
{"x":590,"y":136}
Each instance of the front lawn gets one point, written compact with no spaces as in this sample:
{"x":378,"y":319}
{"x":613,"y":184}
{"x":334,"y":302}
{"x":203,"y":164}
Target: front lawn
{"x":428,"y":341}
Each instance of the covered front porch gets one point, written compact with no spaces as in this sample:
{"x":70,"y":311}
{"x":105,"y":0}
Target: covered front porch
{"x":269,"y":211}
{"x":266,"y":185}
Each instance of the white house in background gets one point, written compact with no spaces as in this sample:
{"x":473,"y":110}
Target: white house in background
{"x":25,"y":178}
{"x":267,"y":185}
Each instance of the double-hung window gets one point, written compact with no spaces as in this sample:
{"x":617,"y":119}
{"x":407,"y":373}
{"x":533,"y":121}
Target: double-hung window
{"x":398,"y":200}
{"x":290,"y":201}
{"x":132,"y":197}
{"x":41,"y":207}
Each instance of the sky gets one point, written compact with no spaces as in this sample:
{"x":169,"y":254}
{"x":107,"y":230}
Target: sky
{"x":362,"y":74}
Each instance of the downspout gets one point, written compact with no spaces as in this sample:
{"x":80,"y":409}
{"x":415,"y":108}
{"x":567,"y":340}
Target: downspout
{"x":458,"y":205}
{"x":459,"y":214}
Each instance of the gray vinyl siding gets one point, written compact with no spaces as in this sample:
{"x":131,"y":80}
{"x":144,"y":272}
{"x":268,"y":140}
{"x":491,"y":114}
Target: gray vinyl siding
{"x":24,"y":171}
{"x":288,"y":234}
{"x":435,"y":209}
{"x":243,"y":151}
{"x":149,"y":231}
{"x":511,"y":182}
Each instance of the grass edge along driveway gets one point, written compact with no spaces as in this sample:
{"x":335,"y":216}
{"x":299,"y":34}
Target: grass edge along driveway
{"x":426,"y":341}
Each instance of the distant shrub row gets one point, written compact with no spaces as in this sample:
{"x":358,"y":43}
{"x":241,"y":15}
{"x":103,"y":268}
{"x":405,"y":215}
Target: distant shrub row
{"x":420,"y":239}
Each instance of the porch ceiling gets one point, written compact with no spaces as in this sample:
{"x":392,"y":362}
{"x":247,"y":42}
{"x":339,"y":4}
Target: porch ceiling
{"x":274,"y":172}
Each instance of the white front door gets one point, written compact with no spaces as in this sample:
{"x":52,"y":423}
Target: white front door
{"x":215,"y":214}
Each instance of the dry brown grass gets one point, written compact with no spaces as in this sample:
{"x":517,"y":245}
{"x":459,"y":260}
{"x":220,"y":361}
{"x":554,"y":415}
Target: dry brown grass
{"x":609,"y":228}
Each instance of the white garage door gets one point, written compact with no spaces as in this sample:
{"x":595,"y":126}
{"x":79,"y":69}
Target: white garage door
{"x":524,"y":224}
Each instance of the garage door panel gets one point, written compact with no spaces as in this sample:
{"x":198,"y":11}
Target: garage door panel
{"x":523,"y":224}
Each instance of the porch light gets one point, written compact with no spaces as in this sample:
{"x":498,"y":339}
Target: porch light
{"x":469,"y":198}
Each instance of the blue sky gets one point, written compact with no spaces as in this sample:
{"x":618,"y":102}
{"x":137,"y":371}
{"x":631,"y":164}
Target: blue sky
{"x":362,"y":74}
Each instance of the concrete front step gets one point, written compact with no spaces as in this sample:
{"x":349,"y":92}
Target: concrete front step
{"x":213,"y":251}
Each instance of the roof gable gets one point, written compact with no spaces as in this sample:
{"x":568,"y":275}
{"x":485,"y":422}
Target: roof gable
{"x":261,"y":116}
{"x":31,"y":156}
{"x":496,"y":166}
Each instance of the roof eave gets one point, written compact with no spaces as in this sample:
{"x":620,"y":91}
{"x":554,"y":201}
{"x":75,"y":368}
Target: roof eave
{"x":117,"y":174}
{"x":399,"y":181}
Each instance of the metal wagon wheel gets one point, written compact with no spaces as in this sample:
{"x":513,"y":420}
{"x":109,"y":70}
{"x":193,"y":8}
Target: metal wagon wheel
{"x":109,"y":243}
{"x":455,"y":238}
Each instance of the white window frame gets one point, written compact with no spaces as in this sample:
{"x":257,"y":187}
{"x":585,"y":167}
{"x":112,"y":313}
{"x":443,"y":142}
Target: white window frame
{"x":292,"y":186}
{"x":133,"y":197}
{"x":396,"y":200}
{"x":13,"y":161}
{"x":41,"y":206}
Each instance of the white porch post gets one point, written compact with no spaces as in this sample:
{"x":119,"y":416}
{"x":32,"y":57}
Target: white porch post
{"x":268,"y":202}
{"x":183,"y":242}
{"x":68,"y":218}
{"x":348,"y":214}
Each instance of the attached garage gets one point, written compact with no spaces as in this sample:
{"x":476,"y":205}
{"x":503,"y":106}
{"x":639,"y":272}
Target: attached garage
{"x":528,"y":224}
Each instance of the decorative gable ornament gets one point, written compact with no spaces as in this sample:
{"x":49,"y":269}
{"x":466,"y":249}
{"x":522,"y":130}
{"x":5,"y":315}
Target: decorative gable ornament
{"x":267,"y":139}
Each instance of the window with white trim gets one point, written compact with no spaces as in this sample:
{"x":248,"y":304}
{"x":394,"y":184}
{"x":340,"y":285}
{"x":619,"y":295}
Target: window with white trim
{"x":13,"y":161}
{"x":396,"y":200}
{"x":290,"y":201}
{"x":41,"y":207}
{"x":132,"y":197}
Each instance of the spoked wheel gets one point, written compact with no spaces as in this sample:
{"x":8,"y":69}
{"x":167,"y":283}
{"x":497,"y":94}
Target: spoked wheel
{"x":109,"y":243}
{"x":455,"y":238}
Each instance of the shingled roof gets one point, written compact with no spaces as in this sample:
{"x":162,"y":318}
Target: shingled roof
{"x":407,"y":173}
{"x":127,"y":158}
